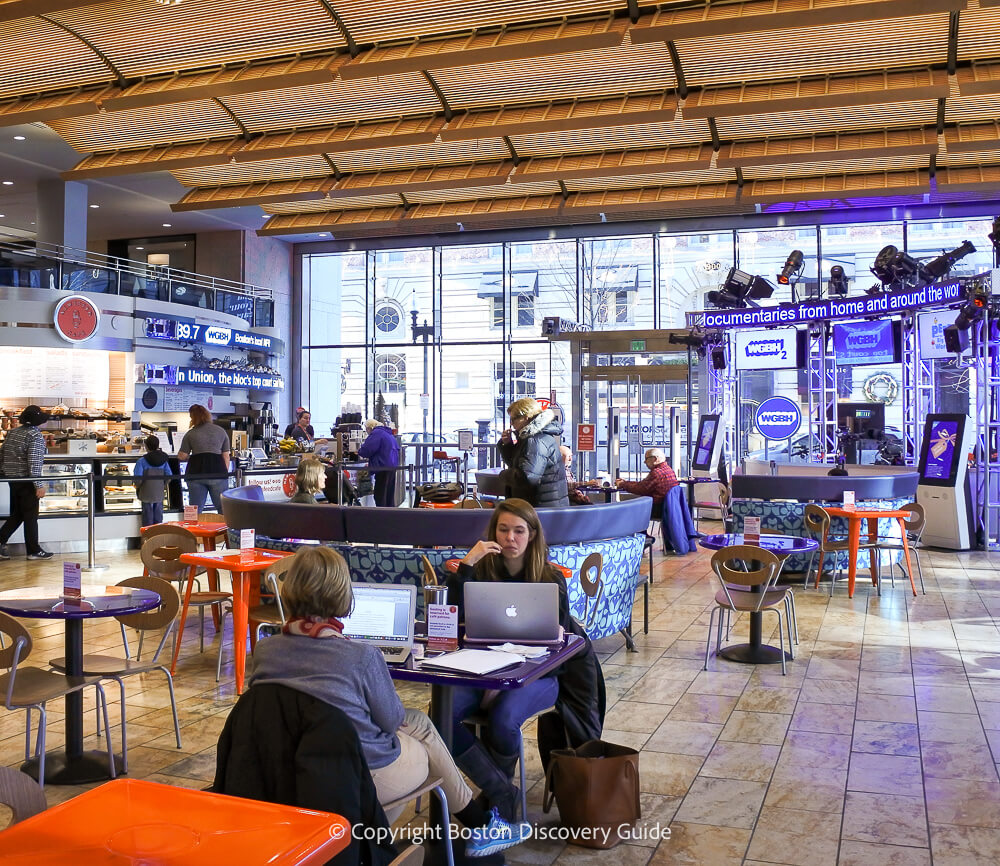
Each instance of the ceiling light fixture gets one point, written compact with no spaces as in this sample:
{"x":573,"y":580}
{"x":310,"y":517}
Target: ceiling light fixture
{"x":8,"y":183}
{"x":168,"y":225}
{"x":838,"y":282}
{"x":792,"y":268}
{"x":20,"y":137}
{"x":95,"y":206}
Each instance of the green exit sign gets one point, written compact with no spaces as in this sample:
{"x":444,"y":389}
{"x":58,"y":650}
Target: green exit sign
{"x":638,"y":345}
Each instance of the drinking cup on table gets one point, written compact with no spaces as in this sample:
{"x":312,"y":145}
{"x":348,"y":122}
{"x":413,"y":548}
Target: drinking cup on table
{"x":435,"y":594}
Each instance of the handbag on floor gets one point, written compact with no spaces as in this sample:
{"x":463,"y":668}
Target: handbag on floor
{"x":596,"y":788}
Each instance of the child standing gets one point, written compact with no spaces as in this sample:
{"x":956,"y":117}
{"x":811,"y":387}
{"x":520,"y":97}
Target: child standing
{"x":151,"y":472}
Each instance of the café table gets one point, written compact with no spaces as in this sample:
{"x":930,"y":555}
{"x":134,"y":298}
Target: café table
{"x":854,"y":517}
{"x":690,"y":482}
{"x":243,"y":565}
{"x":74,"y":766}
{"x":207,"y":534}
{"x":782,"y":546}
{"x":132,"y":821}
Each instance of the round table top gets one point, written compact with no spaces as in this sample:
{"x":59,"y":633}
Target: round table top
{"x":780,"y":544}
{"x":46,"y":602}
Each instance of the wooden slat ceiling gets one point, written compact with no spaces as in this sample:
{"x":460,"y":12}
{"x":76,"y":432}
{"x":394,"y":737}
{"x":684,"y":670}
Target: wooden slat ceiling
{"x":376,"y":117}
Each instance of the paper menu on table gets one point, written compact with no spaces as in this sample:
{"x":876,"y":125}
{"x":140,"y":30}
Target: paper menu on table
{"x":474,"y":661}
{"x":190,"y":513}
{"x":849,"y":501}
{"x":751,"y":530}
{"x":72,"y":581}
{"x":247,"y":541}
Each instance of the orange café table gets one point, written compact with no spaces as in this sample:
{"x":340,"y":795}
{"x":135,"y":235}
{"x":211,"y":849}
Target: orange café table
{"x":872,"y":515}
{"x":242,"y":569}
{"x":128,"y":821}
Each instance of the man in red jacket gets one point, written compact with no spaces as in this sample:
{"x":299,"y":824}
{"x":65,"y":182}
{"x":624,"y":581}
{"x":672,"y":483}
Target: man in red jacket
{"x":656,"y":484}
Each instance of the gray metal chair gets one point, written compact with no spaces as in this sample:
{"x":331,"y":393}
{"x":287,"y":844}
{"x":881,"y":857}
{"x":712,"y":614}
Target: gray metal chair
{"x":271,"y":614}
{"x":21,"y":794}
{"x":31,"y":688}
{"x":914,"y":529}
{"x":115,"y":668}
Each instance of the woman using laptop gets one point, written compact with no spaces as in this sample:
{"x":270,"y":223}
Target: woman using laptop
{"x":401,"y":746}
{"x":514,"y":552}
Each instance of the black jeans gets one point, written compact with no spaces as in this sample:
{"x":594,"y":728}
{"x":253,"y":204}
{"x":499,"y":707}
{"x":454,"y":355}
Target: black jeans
{"x":385,"y":488}
{"x":23,"y":509}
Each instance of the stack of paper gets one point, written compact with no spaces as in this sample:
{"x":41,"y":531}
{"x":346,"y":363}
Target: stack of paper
{"x":474,"y":661}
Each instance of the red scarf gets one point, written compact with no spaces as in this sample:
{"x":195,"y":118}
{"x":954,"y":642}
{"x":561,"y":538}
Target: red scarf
{"x":314,"y":626}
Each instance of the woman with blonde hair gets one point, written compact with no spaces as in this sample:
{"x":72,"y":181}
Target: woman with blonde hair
{"x":401,"y":746}
{"x":530,"y":449}
{"x":515,"y":551}
{"x":309,"y":480}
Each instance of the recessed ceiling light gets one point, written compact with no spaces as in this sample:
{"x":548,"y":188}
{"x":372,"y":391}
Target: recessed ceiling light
{"x":20,"y":137}
{"x":8,"y":183}
{"x":2,"y":215}
{"x":140,"y":248}
{"x":95,"y":206}
{"x":167,"y":225}
{"x":324,"y":234}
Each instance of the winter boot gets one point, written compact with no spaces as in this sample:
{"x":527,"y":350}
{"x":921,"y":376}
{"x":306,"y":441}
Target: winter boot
{"x":477,"y":764}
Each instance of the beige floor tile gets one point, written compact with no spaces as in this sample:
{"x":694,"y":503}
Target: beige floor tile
{"x":887,"y":738}
{"x":958,"y":761}
{"x":890,"y":819}
{"x":823,"y":718}
{"x":829,"y":692}
{"x":695,"y":707}
{"x":795,"y":837}
{"x":885,"y":774}
{"x":953,"y":845}
{"x":810,"y":749}
{"x":869,"y":853}
{"x":989,"y":712}
{"x":720,"y":683}
{"x":753,"y":762}
{"x":722,"y":802}
{"x":624,"y":853}
{"x":667,"y":774}
{"x":950,"y":728}
{"x":684,"y":738}
{"x":746,"y":727}
{"x":635,"y":716}
{"x":813,"y":789}
{"x":693,"y":844}
{"x":767,"y":699}
{"x":960,"y":801}
{"x":945,"y":699}
{"x":886,"y":708}
{"x":882,"y":683}
{"x":832,"y":669}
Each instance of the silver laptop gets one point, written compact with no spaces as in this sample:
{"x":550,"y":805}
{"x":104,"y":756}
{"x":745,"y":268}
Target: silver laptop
{"x":383,"y":615}
{"x":517,"y":612}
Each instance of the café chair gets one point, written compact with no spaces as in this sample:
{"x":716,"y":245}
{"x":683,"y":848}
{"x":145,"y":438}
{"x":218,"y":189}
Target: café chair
{"x":914,"y":529}
{"x":31,"y":688}
{"x":271,"y":614}
{"x":114,"y":668}
{"x":21,"y":794}
{"x":817,"y":521}
{"x":763,"y":598}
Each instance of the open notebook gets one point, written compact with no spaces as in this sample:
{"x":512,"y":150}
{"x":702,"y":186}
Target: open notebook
{"x":474,"y":661}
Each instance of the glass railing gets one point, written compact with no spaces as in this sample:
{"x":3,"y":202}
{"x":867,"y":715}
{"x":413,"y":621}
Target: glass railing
{"x":47,"y":266}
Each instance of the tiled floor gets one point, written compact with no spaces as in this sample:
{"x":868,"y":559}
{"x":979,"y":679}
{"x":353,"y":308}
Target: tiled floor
{"x":878,"y":747}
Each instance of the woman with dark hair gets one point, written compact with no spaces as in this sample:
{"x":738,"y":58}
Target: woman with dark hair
{"x":301,"y":429}
{"x":205,"y":447}
{"x":401,"y":746}
{"x":515,"y":552}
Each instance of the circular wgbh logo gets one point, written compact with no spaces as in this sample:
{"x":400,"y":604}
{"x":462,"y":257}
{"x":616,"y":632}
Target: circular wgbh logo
{"x":777,"y":418}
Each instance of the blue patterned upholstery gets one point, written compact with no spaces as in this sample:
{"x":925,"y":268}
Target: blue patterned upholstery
{"x":787,"y":518}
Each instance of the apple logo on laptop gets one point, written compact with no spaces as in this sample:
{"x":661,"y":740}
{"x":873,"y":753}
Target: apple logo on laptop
{"x":511,"y":611}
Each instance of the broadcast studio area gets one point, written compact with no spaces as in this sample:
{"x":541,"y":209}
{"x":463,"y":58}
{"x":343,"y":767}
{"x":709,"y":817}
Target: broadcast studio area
{"x":439,"y":431}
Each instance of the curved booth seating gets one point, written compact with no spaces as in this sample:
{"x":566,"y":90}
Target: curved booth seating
{"x":385,"y":545}
{"x":780,"y":500}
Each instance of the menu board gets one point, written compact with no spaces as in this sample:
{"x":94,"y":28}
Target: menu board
{"x":55,"y":374}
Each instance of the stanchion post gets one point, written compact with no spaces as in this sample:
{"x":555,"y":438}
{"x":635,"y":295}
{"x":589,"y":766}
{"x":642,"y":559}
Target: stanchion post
{"x":91,"y":540}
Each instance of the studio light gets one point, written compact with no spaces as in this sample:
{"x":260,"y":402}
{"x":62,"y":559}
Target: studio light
{"x":740,"y":289}
{"x":838,"y":282}
{"x":694,"y":339}
{"x":893,"y":266}
{"x":793,"y":267}
{"x":973,"y":309}
{"x":882,"y":268}
{"x":937,"y":268}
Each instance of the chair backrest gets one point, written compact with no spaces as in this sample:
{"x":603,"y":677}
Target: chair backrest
{"x":915,"y":525}
{"x":21,"y":793}
{"x":766,"y":570}
{"x":471,"y":502}
{"x":158,"y":617}
{"x":162,"y":547}
{"x":19,"y":644}
{"x":211,"y":517}
{"x":817,"y":521}
{"x":274,"y":576}
{"x":725,"y":497}
{"x":593,"y":587}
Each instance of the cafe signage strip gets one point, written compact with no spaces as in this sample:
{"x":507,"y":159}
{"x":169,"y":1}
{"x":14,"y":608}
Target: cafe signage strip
{"x":189,"y":331}
{"x":833,"y":308}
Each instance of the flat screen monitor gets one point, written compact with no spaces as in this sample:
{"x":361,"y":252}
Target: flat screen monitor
{"x":864,"y":419}
{"x":775,"y":349}
{"x":877,"y":342}
{"x":708,"y":430}
{"x":930,"y":328}
{"x":940,"y":451}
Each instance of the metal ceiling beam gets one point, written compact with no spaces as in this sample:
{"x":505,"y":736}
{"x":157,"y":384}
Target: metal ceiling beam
{"x":352,"y":46}
{"x":120,"y":79}
{"x":439,"y":93}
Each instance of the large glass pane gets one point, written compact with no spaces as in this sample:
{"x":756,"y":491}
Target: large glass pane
{"x":616,"y":278}
{"x":764,"y":253}
{"x":336,"y":380}
{"x":472,"y":293}
{"x":928,"y":239}
{"x":854,"y":247}
{"x":690,"y":266}
{"x":334,"y":285}
{"x":403,"y":284}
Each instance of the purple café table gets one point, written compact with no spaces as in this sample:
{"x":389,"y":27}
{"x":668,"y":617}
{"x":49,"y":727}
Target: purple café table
{"x":74,"y":766}
{"x":756,"y":652}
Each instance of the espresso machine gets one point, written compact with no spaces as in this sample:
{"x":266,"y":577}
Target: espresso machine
{"x":263,"y":427}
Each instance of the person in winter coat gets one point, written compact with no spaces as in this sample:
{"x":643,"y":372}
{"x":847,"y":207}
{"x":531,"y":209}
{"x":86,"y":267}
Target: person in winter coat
{"x":515,"y":552}
{"x":382,"y":451}
{"x":21,"y":455}
{"x":151,"y":472}
{"x":530,"y":450}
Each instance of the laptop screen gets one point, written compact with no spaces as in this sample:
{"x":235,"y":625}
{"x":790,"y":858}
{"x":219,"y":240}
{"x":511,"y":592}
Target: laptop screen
{"x":382,"y":614}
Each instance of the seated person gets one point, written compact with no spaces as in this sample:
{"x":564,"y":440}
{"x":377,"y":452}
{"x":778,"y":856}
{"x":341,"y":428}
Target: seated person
{"x":515,"y":552}
{"x":309,"y":480}
{"x":401,"y":746}
{"x":656,"y":484}
{"x":576,"y":496}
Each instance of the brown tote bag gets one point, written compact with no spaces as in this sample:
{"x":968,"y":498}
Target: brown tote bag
{"x":596,"y":788}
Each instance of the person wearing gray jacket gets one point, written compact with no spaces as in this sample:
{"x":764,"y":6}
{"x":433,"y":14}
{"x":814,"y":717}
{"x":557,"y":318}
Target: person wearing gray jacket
{"x":531,"y":452}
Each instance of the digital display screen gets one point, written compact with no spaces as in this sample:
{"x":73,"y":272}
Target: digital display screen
{"x":930,"y":328}
{"x":708,"y":428}
{"x":940,"y":451}
{"x":866,"y":343}
{"x":774,"y":349}
{"x":189,"y":331}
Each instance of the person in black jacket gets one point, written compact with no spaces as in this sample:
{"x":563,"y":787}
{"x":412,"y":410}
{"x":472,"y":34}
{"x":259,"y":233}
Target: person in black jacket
{"x":531,"y":451}
{"x":515,"y":552}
